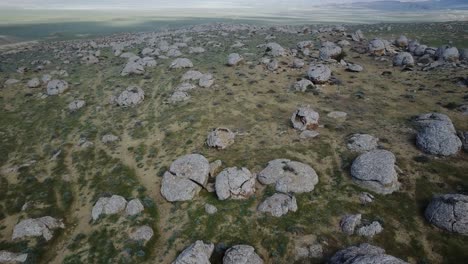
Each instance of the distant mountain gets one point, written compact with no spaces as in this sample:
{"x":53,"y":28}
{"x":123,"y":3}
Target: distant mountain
{"x":393,"y":5}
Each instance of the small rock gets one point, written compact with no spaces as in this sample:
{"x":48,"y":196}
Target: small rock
{"x":34,"y":83}
{"x":134,"y":207}
{"x":56,"y":87}
{"x":337,"y":114}
{"x":109,"y":138}
{"x":362,"y":142}
{"x":349,"y":222}
{"x":319,"y":73}
{"x":366,"y":198}
{"x":234,"y":59}
{"x":305,"y":118}
{"x":108,"y":206}
{"x":235,"y":183}
{"x":76,"y":105}
{"x":241,"y":254}
{"x":210,"y":209}
{"x":370,"y":230}
{"x":220,"y":138}
{"x":197,"y":253}
{"x":278,"y":204}
{"x":10,"y":257}
{"x":307,"y":134}
{"x":142,"y":233}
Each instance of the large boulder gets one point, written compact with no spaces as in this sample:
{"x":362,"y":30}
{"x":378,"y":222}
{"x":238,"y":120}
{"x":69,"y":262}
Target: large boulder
{"x":108,"y":206}
{"x":289,"y":176}
{"x":436,"y":134}
{"x":274,"y":49}
{"x":185,"y":178}
{"x":329,"y":50}
{"x":220,"y":138}
{"x":402,"y":41}
{"x":36,"y":227}
{"x":403,"y":59}
{"x":362,"y":143}
{"x":449,"y":212}
{"x":319,"y":73}
{"x":375,"y":171}
{"x":241,"y":254}
{"x":377,"y":47}
{"x":305,"y":118}
{"x":235,"y":183}
{"x":131,"y":96}
{"x":451,"y":54}
{"x":364,"y":254}
{"x":10,"y":257}
{"x":180,"y":63}
{"x":197,"y":253}
{"x":234,"y":59}
{"x":56,"y":87}
{"x":278,"y":204}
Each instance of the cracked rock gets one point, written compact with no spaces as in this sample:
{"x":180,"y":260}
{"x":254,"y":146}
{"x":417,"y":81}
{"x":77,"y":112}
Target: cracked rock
{"x":364,"y":254}
{"x":241,"y":254}
{"x":305,"y":118}
{"x":289,"y":176}
{"x":36,"y":227}
{"x":349,"y":222}
{"x":220,"y":138}
{"x":449,"y":212}
{"x":10,"y":257}
{"x":131,"y":96}
{"x":370,"y":230}
{"x":108,"y":206}
{"x":319,"y":73}
{"x":278,"y":204}
{"x":197,"y":253}
{"x":362,"y":142}
{"x":235,"y":183}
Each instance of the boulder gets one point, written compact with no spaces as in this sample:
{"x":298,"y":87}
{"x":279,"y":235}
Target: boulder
{"x":148,"y":62}
{"x":76,"y":105}
{"x":206,"y":81}
{"x":424,"y":120}
{"x":90,"y":59}
{"x":349,"y":222}
{"x":366,"y":198}
{"x":319,"y":73}
{"x":449,"y":212}
{"x":357,"y":36}
{"x":362,"y":143}
{"x":109,"y":138}
{"x":36,"y":227}
{"x":241,"y":254}
{"x":272,"y":65}
{"x":131,"y":96}
{"x":370,"y":230}
{"x":148,"y":52}
{"x":10,"y":257}
{"x":172,"y":53}
{"x":235,"y":183}
{"x":133,"y":67}
{"x":451,"y":54}
{"x":10,"y":82}
{"x":134,"y":207}
{"x":185,"y":178}
{"x":289,"y":176}
{"x":413,"y":45}
{"x":305,"y":118}
{"x":46,"y":78}
{"x":377,"y":47}
{"x":303,"y":85}
{"x":34,"y":83}
{"x":278,"y":204}
{"x":180,"y":63}
{"x":363,"y":254}
{"x":401,"y":42}
{"x":403,"y":59}
{"x":306,"y":44}
{"x":234,"y":59}
{"x":354,"y":67}
{"x":192,"y":75}
{"x":343,"y":43}
{"x":197,"y":253}
{"x":142,"y":233}
{"x":329,"y":50}
{"x":55,"y":87}
{"x":108,"y":206}
{"x":375,"y":171}
{"x":420,"y":50}
{"x":185,"y":87}
{"x":298,"y":63}
{"x":275,"y":50}
{"x":438,"y":139}
{"x":196,"y":50}
{"x":178,"y":97}
{"x":220,"y":138}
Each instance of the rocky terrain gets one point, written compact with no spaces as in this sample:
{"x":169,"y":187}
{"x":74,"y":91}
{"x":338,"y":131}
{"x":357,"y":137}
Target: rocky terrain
{"x":232,"y":144}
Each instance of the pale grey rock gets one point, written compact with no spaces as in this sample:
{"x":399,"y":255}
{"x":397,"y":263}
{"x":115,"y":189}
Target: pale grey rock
{"x":55,"y":87}
{"x":46,"y":78}
{"x":272,"y":65}
{"x":220,"y":138}
{"x":34,"y":83}
{"x":196,"y":50}
{"x":401,"y":41}
{"x":131,"y":96}
{"x":172,"y":53}
{"x":36,"y":227}
{"x":420,"y":50}
{"x":127,"y":55}
{"x":451,"y":54}
{"x":178,"y":97}
{"x":108,"y":206}
{"x":210,"y":209}
{"x":206,"y":81}
{"x":449,"y":212}
{"x":362,"y":143}
{"x":185,"y":178}
{"x":142,"y":233}
{"x":10,"y":257}
{"x":275,"y":50}
{"x":235,"y":183}
{"x":10,"y":82}
{"x":278,"y":204}
{"x":303,"y":85}
{"x":289,"y":176}
{"x":305,"y":118}
{"x":370,"y":230}
{"x":76,"y":105}
{"x":424,"y":120}
{"x":308,"y":134}
{"x":337,"y":115}
{"x":148,"y":62}
{"x":133,"y":67}
{"x":90,"y":59}
{"x":180,"y":63}
{"x":234,"y":59}
{"x":214,"y":167}
{"x":197,"y":253}
{"x":343,"y":43}
{"x":438,"y":139}
{"x":192,"y":75}
{"x":366,"y":198}
{"x":377,"y":47}
{"x":329,"y":50}
{"x":148,"y":52}
{"x":316,"y":251}
{"x":306,"y":44}
{"x":403,"y":59}
{"x":358,"y":36}
{"x":354,"y":67}
{"x":363,"y":254}
{"x":298,"y":63}
{"x":349,"y":222}
{"x":185,"y":87}
{"x":241,"y":254}
{"x":109,"y":138}
{"x":134,"y":207}
{"x":375,"y":171}
{"x":319,"y":73}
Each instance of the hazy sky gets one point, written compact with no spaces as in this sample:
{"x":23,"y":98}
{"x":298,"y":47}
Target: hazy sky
{"x":157,"y":4}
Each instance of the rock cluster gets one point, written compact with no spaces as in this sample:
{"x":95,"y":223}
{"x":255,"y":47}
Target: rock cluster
{"x":37,"y":227}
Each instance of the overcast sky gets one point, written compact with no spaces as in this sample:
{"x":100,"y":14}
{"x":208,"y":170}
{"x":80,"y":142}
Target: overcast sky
{"x":159,"y":4}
